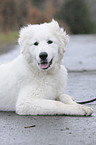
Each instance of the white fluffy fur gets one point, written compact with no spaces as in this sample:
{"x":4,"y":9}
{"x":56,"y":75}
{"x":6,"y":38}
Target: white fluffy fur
{"x":29,"y":90}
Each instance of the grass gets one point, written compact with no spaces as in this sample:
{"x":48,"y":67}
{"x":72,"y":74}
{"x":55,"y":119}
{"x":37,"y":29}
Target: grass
{"x":8,"y":38}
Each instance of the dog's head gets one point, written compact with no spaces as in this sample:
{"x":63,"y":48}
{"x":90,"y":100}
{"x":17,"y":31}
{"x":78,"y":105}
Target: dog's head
{"x":43,"y":45}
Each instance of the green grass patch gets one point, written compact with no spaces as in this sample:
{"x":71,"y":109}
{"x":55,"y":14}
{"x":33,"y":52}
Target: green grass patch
{"x":8,"y":38}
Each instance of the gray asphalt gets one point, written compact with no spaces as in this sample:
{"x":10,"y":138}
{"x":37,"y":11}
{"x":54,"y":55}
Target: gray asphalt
{"x":55,"y":130}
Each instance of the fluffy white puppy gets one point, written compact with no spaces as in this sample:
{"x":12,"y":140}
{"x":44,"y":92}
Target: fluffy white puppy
{"x":34,"y":83}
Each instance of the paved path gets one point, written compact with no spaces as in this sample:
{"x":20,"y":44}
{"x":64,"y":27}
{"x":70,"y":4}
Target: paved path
{"x":59,"y":130}
{"x":81,"y":53}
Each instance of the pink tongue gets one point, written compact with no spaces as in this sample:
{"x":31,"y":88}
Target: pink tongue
{"x":44,"y":65}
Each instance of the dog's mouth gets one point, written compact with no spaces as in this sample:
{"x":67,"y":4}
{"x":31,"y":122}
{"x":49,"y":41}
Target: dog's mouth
{"x":44,"y":64}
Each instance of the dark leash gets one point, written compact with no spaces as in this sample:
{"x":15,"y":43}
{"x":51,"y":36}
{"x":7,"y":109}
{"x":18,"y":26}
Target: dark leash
{"x":85,"y":102}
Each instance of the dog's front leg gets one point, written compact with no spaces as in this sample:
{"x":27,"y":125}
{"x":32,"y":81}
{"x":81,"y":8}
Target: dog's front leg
{"x":49,"y":107}
{"x":66,"y":99}
{"x":30,"y":103}
{"x":41,"y":107}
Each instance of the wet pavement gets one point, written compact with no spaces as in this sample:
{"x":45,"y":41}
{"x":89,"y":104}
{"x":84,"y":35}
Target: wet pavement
{"x":59,"y":130}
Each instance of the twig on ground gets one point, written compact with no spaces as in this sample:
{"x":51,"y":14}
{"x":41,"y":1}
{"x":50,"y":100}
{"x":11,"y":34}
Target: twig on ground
{"x":30,"y":126}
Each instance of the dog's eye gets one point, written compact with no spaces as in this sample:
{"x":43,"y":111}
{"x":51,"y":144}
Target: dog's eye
{"x":50,"y":42}
{"x":36,"y":43}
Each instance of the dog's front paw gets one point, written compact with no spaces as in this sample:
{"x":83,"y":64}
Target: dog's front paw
{"x":87,"y":111}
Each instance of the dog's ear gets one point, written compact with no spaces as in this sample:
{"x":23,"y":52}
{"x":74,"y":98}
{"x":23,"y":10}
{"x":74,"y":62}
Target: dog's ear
{"x":61,"y":32}
{"x":24,"y":35}
{"x":21,"y":36}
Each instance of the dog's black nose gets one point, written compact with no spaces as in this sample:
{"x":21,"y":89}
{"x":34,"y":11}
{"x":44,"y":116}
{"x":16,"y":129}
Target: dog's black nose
{"x":43,"y":55}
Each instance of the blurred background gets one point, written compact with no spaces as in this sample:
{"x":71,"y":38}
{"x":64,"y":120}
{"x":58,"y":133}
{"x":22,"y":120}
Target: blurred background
{"x":76,"y":16}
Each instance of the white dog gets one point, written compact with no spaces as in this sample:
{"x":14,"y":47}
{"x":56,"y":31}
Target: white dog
{"x":34,"y":83}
